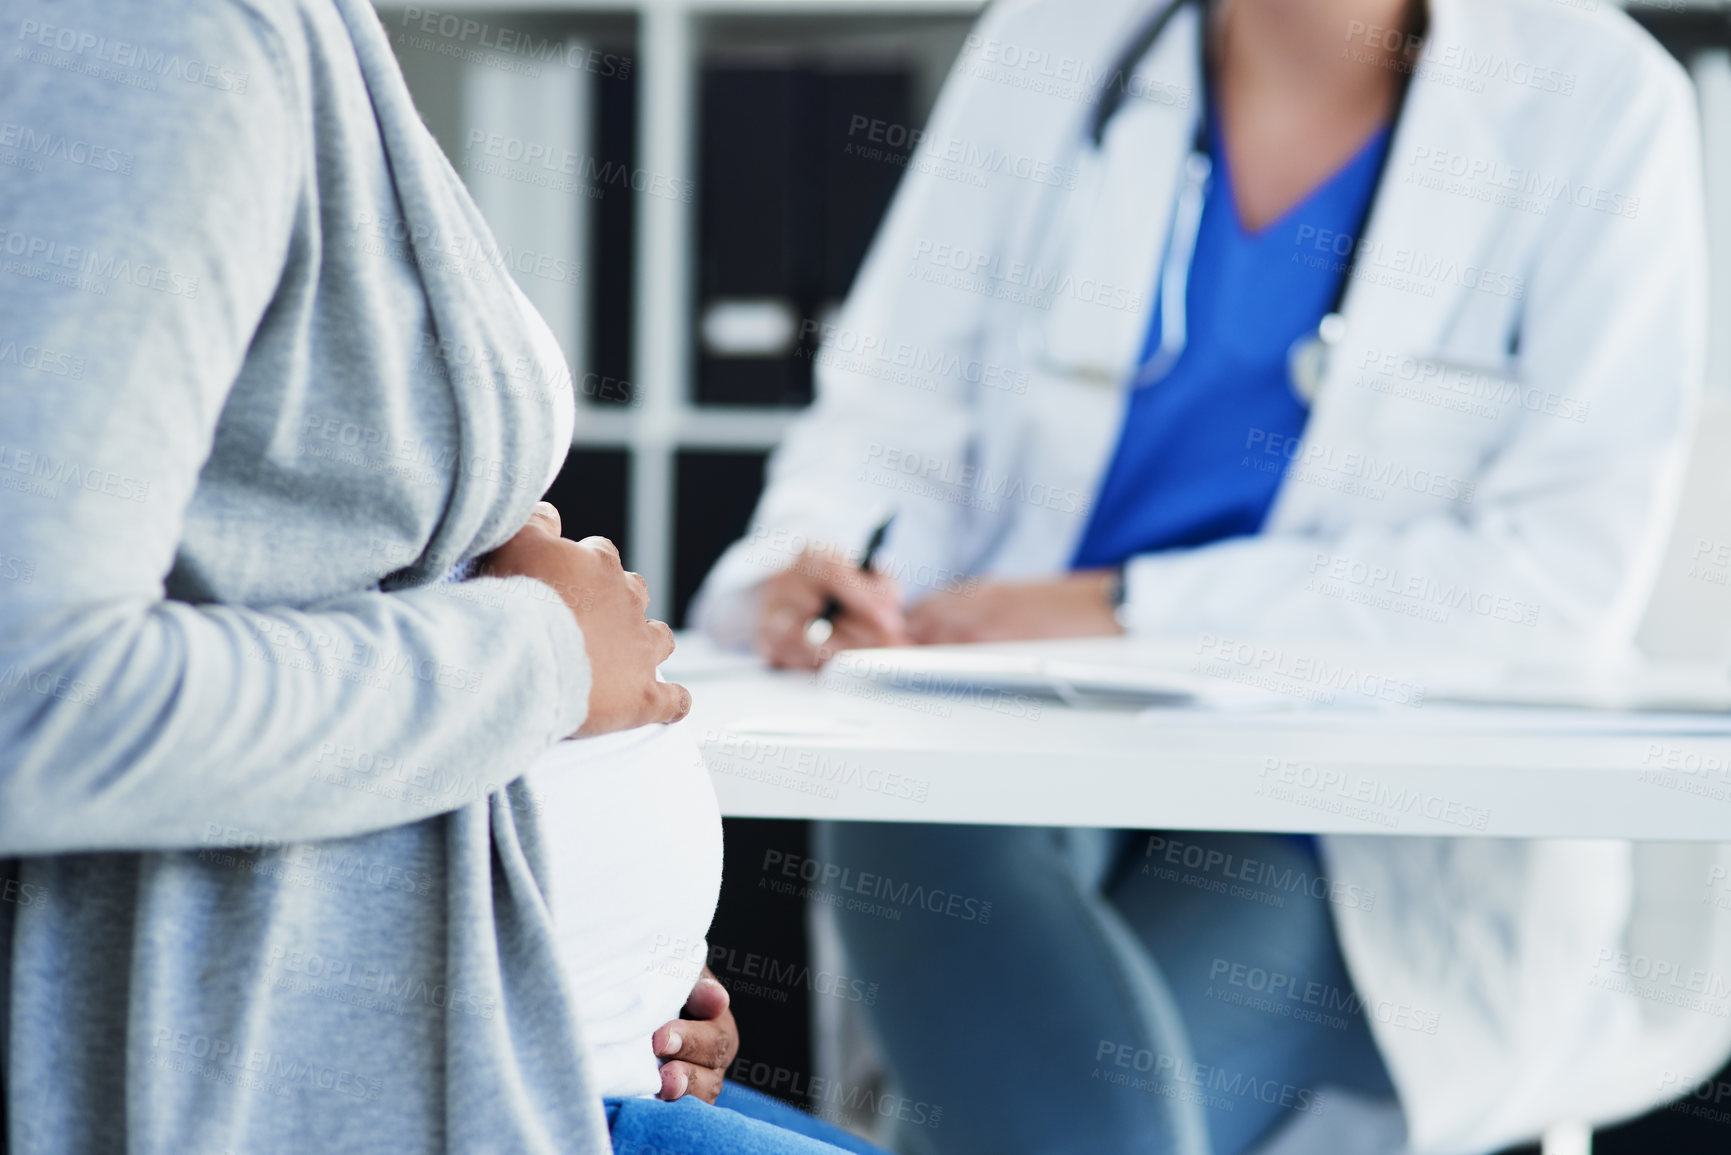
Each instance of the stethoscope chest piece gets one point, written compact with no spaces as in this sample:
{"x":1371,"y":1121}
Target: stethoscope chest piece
{"x":1308,"y":360}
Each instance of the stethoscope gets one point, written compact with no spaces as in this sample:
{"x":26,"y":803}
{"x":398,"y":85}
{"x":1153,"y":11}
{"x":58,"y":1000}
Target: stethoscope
{"x":1308,"y":359}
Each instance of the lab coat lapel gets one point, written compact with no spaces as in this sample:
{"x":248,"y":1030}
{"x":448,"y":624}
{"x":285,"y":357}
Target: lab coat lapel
{"x":1120,"y":213}
{"x":1100,"y":259}
{"x":1416,"y":237}
{"x":1418,"y":229}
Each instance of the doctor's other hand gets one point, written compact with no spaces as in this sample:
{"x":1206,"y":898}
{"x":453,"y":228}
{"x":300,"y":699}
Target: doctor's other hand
{"x":871,"y":613}
{"x":624,"y":646}
{"x":1077,"y":605}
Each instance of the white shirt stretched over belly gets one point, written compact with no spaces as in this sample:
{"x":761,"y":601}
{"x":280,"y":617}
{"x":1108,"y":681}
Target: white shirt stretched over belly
{"x":634,"y":849}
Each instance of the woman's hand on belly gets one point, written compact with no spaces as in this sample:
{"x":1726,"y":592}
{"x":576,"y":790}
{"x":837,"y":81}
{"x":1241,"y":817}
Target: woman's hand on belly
{"x":624,"y":647}
{"x":698,"y":1048}
{"x":1077,"y":605}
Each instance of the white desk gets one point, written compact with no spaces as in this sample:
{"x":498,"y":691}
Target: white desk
{"x":877,"y":754}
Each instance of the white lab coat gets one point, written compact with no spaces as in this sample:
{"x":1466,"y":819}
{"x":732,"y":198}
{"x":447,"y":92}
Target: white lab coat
{"x":1537,"y":246}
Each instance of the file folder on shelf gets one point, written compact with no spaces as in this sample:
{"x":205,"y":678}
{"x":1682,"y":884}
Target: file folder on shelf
{"x":787,"y":211}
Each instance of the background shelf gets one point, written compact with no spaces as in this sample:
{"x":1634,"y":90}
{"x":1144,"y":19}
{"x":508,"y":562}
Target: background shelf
{"x":580,"y":129}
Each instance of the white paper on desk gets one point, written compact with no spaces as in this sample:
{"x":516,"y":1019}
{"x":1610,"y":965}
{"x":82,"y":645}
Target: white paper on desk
{"x":1291,"y":677}
{"x":1438,"y":718}
{"x":1081,"y":673}
{"x":695,"y":656}
{"x":1693,"y":688}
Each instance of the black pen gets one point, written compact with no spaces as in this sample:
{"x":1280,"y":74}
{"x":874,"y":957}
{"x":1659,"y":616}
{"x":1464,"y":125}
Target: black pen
{"x":819,"y":629}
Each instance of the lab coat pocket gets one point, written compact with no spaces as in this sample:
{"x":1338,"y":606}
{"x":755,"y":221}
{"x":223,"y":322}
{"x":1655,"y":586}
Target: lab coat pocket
{"x":1089,"y":318}
{"x":1450,"y":403}
{"x":1437,"y":421}
{"x":1100,"y":254}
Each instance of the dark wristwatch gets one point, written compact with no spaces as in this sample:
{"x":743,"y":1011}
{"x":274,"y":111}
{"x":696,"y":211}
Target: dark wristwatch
{"x":1115,"y":594}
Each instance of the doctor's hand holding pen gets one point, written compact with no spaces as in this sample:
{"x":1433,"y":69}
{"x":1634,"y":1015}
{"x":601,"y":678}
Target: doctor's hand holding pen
{"x":861,"y":606}
{"x":863,"y":609}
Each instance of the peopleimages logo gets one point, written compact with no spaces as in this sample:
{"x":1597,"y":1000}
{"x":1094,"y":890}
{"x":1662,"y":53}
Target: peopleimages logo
{"x":217,"y":1057}
{"x":330,"y":977}
{"x":992,"y":490}
{"x":1456,"y":64}
{"x":847,"y":349}
{"x":282,"y":641}
{"x":555,"y":49}
{"x":958,"y":266}
{"x":59,"y":146}
{"x":1464,"y":387}
{"x":1387,"y":578}
{"x":592,"y":172}
{"x":1364,"y":254}
{"x":1362,"y":796}
{"x":91,"y":267}
{"x":48,"y":684}
{"x":1035,"y":69}
{"x":24,"y":893}
{"x":828,"y":875}
{"x":760,"y":975}
{"x":1663,"y":980}
{"x":233,"y":846}
{"x":103,"y":50}
{"x":1350,"y":469}
{"x":830,"y":1098}
{"x":1297,"y":997}
{"x":1291,"y":667}
{"x":1514,"y":186}
{"x":41,"y":359}
{"x":1175,"y":853}
{"x":838,"y":769}
{"x":56,"y":471}
{"x":1173,"y":1073}
{"x":952,"y":158}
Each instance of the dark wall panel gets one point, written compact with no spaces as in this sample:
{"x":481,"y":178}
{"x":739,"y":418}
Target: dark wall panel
{"x":757,"y":941}
{"x":591,"y":493}
{"x":612,"y":271}
{"x":715,"y":494}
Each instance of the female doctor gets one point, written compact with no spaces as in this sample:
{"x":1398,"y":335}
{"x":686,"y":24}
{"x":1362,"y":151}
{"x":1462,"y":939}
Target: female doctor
{"x":1406,"y":296}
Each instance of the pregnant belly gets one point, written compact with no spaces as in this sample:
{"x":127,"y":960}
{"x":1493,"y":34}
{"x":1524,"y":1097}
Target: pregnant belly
{"x":633,"y":837}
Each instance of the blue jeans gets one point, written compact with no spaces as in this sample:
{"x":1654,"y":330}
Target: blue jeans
{"x":742,"y":1122}
{"x":1152,"y":1000}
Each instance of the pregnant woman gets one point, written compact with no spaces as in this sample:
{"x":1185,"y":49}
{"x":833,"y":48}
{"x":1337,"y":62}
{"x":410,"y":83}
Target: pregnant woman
{"x":270,"y":879}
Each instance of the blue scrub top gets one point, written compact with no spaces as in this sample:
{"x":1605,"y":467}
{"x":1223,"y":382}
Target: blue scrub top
{"x":1194,"y":462}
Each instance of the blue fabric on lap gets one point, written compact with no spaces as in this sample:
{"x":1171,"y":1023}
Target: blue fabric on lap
{"x":742,"y":1122}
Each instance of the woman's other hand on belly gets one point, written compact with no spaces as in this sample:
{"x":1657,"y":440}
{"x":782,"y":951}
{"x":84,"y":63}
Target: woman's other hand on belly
{"x":697,"y":1049}
{"x":609,"y":603}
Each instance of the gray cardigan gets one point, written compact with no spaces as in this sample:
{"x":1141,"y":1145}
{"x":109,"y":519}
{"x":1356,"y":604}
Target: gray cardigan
{"x":266,"y":880}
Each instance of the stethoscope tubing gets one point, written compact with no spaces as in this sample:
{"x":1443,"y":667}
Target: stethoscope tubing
{"x":1308,"y":359}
